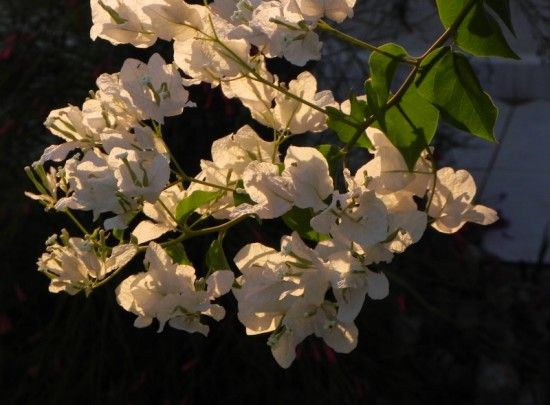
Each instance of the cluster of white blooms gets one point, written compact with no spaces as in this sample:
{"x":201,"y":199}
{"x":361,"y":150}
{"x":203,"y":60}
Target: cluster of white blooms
{"x":78,"y":264}
{"x":114,"y":162}
{"x":121,"y":161}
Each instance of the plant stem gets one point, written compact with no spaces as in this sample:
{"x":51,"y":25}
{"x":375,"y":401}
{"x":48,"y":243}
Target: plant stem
{"x":324,"y":26}
{"x":205,"y":183}
{"x":205,"y":231}
{"x":76,"y":222}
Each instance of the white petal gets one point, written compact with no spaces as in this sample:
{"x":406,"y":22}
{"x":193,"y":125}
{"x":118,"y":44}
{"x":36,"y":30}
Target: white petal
{"x":342,"y":337}
{"x":378,"y":285}
{"x":284,"y":351}
{"x":146,"y":231}
{"x":219,"y":283}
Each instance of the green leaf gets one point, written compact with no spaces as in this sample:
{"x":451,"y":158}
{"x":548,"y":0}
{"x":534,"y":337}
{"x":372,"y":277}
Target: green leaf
{"x":373,"y":100}
{"x":298,"y":220}
{"x":178,"y":254}
{"x":410,"y":125}
{"x":479,"y":33}
{"x":215,"y":257}
{"x":333,"y":155}
{"x":382,"y":71}
{"x":118,"y":234}
{"x":502,"y":9}
{"x":448,"y":81}
{"x":339,"y":122}
{"x":190,"y":203}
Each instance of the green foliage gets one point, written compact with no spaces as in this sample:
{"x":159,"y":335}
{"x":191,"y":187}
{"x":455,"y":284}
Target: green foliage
{"x":118,"y":234}
{"x":502,"y":9}
{"x":382,"y":71}
{"x":478,"y":33}
{"x":298,"y":220}
{"x":410,"y":125}
{"x":448,"y":81}
{"x":333,"y":155}
{"x":215,"y":257}
{"x":178,"y":254}
{"x":340,"y":122}
{"x":192,"y":202}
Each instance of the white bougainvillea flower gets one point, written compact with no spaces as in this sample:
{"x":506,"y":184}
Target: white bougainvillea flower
{"x":235,"y":11}
{"x":122,"y":22}
{"x":296,"y":117}
{"x":93,"y":186}
{"x":271,"y":192}
{"x":273,"y":281}
{"x":175,"y":19}
{"x":231,"y":155}
{"x":298,"y":44}
{"x":116,"y":104}
{"x":451,"y":206}
{"x":48,"y":183}
{"x":257,"y":96}
{"x":222,"y":206}
{"x":260,"y":288}
{"x":155,"y":88}
{"x":309,"y":173}
{"x":337,"y":10}
{"x":236,"y":151}
{"x":168,"y":292}
{"x":162,"y":214}
{"x":142,"y":138}
{"x":210,"y":56}
{"x":280,"y":112}
{"x":387,"y":172}
{"x":275,"y":287}
{"x":305,"y":319}
{"x":141,"y":174}
{"x":406,"y":223}
{"x":68,"y":123}
{"x":77,"y":266}
{"x":351,"y":281}
{"x":362,"y":219}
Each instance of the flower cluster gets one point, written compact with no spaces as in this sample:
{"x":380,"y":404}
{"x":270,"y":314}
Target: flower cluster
{"x":113,"y":161}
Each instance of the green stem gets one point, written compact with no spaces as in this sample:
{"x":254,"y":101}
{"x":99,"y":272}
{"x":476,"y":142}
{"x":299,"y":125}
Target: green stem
{"x":205,"y":231}
{"x":324,"y":26}
{"x":449,"y":32}
{"x":205,"y":183}
{"x":76,"y":222}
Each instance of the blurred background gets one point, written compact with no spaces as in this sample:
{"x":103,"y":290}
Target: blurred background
{"x":468,"y":317}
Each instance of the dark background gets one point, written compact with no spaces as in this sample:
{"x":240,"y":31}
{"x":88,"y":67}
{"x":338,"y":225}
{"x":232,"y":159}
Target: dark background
{"x":459,"y":326}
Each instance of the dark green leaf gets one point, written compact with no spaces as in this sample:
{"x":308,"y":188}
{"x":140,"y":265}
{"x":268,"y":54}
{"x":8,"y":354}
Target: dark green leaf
{"x":119,"y":234}
{"x":373,"y":100}
{"x":177,"y":252}
{"x":410,"y":125}
{"x":382,"y":71}
{"x":215,"y":257}
{"x":502,"y":9}
{"x":339,"y":122}
{"x":192,"y":202}
{"x":479,"y":33}
{"x":448,"y":81}
{"x":298,"y":220}
{"x":333,"y":155}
